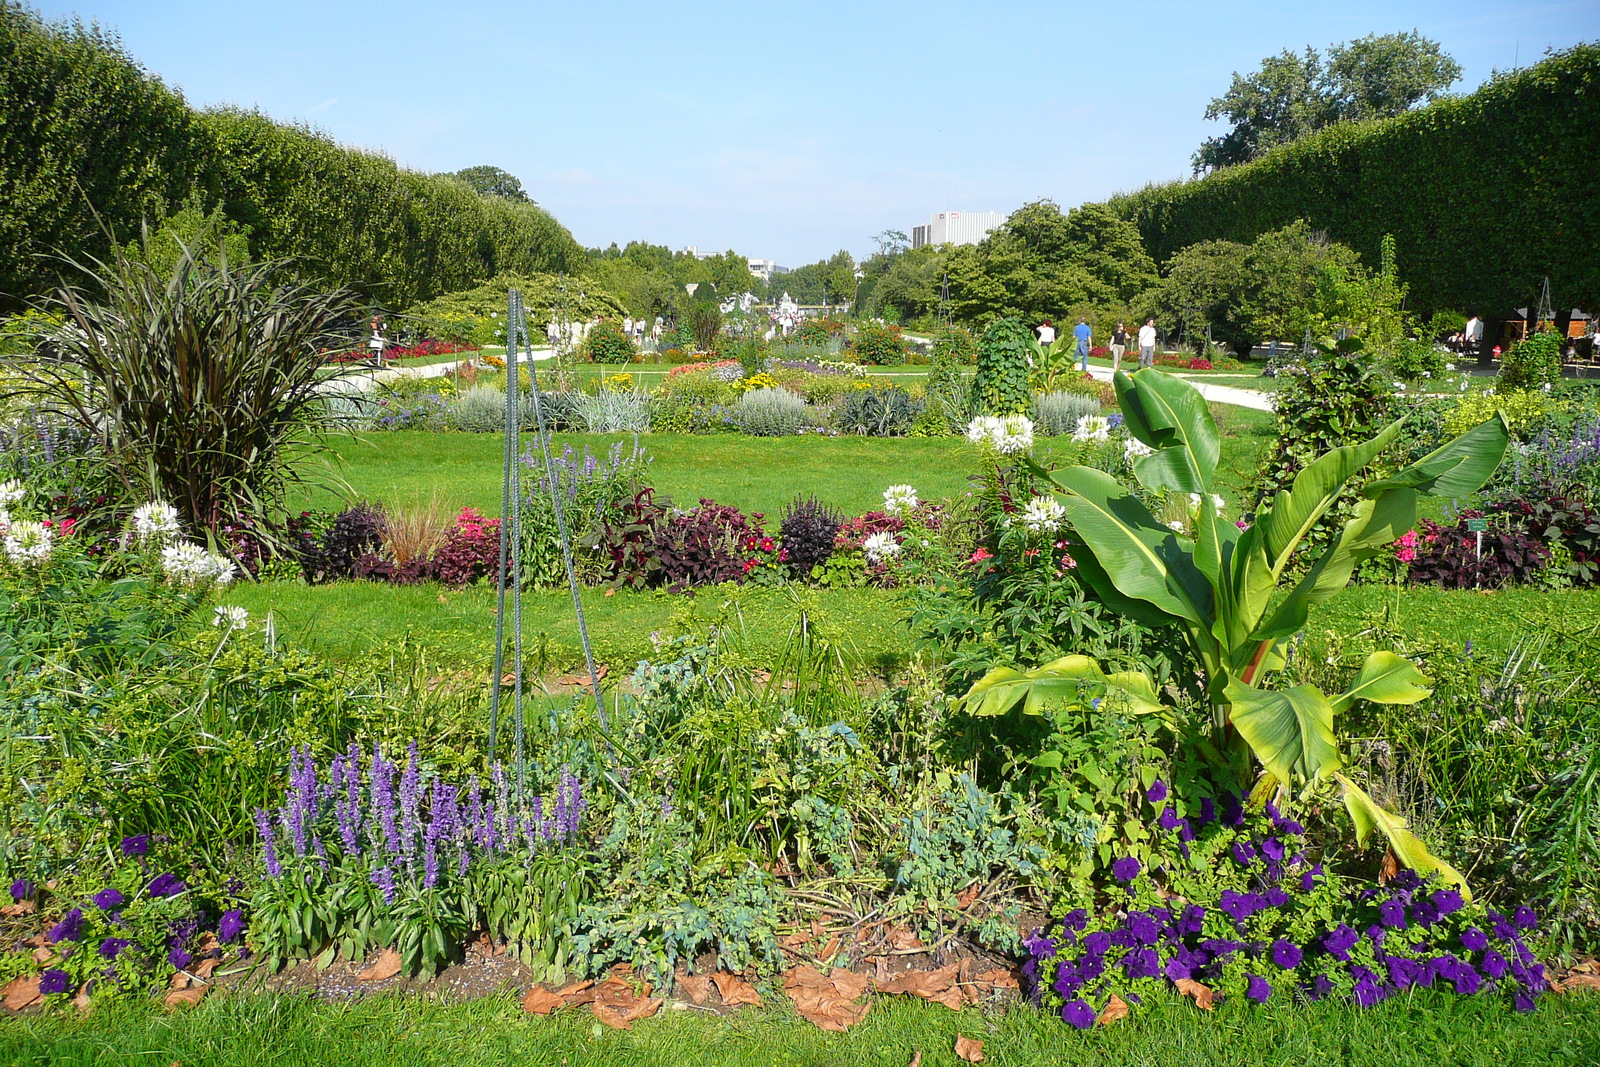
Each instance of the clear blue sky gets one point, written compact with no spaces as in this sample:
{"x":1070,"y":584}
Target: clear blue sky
{"x":784,"y":131}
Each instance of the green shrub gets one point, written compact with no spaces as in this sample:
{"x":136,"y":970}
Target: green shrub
{"x":480,"y":409}
{"x":954,"y":344}
{"x":878,"y":345}
{"x":1525,"y":412}
{"x":877,"y":412}
{"x":1001,"y":386}
{"x":1531,"y":363}
{"x":1057,"y":414}
{"x":1416,"y":359}
{"x":606,"y":343}
{"x":770,"y":412}
{"x":614,"y":411}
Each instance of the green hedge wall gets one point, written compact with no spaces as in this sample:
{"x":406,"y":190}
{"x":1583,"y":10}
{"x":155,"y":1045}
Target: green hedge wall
{"x":90,"y":141}
{"x":1486,"y":194}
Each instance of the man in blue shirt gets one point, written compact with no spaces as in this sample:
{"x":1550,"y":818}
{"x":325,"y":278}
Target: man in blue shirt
{"x":1083,"y":334}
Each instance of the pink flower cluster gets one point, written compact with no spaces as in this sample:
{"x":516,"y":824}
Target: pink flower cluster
{"x":1406,"y":547}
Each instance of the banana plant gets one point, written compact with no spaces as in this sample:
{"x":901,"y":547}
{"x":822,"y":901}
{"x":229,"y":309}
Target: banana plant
{"x":1052,"y":364}
{"x":1232,"y":589}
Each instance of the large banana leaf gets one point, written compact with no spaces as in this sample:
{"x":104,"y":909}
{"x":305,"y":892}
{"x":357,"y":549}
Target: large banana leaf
{"x":1170,"y":416}
{"x":1385,"y":678}
{"x":1141,"y":557}
{"x":1368,"y":815}
{"x":998,"y":691}
{"x":1290,"y":730}
{"x":1297,"y":509}
{"x":1456,"y":468}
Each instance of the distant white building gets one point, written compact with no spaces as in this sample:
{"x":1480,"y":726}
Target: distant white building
{"x":956,"y":228}
{"x":766,"y":268}
{"x":693,"y":250}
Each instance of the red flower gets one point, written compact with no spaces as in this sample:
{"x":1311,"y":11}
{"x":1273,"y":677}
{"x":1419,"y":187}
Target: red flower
{"x":981,"y":555}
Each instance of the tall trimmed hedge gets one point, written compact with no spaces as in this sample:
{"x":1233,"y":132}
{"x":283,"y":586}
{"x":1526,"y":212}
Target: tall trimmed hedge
{"x":1485,"y":194}
{"x":90,"y":141}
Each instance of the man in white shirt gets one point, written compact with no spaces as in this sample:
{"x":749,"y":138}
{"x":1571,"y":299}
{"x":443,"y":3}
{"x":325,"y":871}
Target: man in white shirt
{"x":1472,"y":335}
{"x":1147,"y":344}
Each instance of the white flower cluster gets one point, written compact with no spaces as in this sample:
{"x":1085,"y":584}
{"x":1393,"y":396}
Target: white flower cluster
{"x":1008,"y":435}
{"x":900,"y":500}
{"x":880,"y":547}
{"x":1133,"y":449}
{"x":155,"y":521}
{"x":189,"y":564}
{"x":11,"y":492}
{"x":1043,"y":514}
{"x":232,"y":618}
{"x":28,"y":544}
{"x":1216,"y":501}
{"x":1092,"y":428}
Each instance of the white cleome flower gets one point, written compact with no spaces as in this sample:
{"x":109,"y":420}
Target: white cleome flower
{"x":1043,"y":514}
{"x":900,"y":499}
{"x":880,"y":547}
{"x":1177,"y":526}
{"x":1016,"y":435}
{"x":189,"y":564}
{"x":156,"y":520}
{"x":1133,"y":449}
{"x":1092,"y":428}
{"x":28,"y":544}
{"x":233,"y":618}
{"x":984,"y":429}
{"x":5,"y":520}
{"x":11,"y":492}
{"x":1216,"y":501}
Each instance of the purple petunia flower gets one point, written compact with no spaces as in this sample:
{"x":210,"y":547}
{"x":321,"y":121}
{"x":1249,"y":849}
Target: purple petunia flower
{"x":1208,"y":810}
{"x":1233,"y":810}
{"x":1068,"y":980}
{"x":1144,"y":928}
{"x":1169,"y":818}
{"x":1257,"y":988}
{"x":108,"y":898}
{"x":136,"y":845}
{"x":179,"y":959}
{"x":1525,"y":918}
{"x":1157,"y":792}
{"x":166,"y":885}
{"x":1076,"y":919}
{"x":1273,"y":849}
{"x":1143,"y":963}
{"x":1243,"y":852}
{"x":1078,"y":1013}
{"x":1125,"y":870}
{"x":21,"y":889}
{"x":1339,"y":941}
{"x":70,"y":928}
{"x":1096,"y":943}
{"x":1286,"y":954}
{"x":54,"y":981}
{"x":1321,"y":987}
{"x":1522,"y":1001}
{"x":1039,"y":946}
{"x":1275,"y":897}
{"x":1448,"y":901}
{"x":1494,"y":965}
{"x":1393,"y":914}
{"x":231,"y":925}
{"x":113,"y":945}
{"x":1474,"y":939}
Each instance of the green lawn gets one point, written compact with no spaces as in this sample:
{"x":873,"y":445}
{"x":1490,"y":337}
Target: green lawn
{"x":1427,"y":1030}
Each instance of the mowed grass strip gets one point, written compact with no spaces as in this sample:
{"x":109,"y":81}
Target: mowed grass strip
{"x":1425,"y":1029}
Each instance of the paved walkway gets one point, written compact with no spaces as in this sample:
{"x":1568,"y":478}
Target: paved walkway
{"x":1221,"y":394}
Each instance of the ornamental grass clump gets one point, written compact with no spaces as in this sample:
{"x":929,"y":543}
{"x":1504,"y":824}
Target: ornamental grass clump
{"x":1058,"y":414}
{"x":1244,"y":910}
{"x":480,"y":409}
{"x":614,"y":411}
{"x":369,"y":852}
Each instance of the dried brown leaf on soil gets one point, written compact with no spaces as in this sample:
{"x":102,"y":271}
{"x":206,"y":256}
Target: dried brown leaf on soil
{"x":968,"y":895}
{"x":696,"y":986}
{"x":1577,"y":981}
{"x":938,"y":986}
{"x":902,"y":939}
{"x":735,"y":991}
{"x":540,"y":1001}
{"x":1116,"y":1009}
{"x":969,"y":1049}
{"x":827,"y":1002}
{"x":43,"y":954}
{"x":181,"y":998}
{"x":81,"y":1001}
{"x":21,"y":907}
{"x":21,"y":992}
{"x":387,"y":965}
{"x":1204,"y":997}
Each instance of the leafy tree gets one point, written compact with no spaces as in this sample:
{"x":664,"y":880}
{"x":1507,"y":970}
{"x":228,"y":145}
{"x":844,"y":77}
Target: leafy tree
{"x":189,"y":227}
{"x":1205,"y":285}
{"x":492,"y":181}
{"x":1292,"y":95}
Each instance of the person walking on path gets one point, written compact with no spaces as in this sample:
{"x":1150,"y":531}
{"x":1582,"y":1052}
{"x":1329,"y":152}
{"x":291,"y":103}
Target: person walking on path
{"x":1047,"y":334}
{"x":1119,"y":345}
{"x":1147,"y":344}
{"x":1084,"y":336}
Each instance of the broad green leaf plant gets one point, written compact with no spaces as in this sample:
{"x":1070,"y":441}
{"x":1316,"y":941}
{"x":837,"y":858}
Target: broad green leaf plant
{"x":1236,"y":592}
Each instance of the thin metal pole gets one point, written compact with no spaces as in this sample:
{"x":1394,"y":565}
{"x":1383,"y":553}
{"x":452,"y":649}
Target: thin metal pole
{"x":508,"y":460}
{"x":566,"y":543}
{"x":515,"y":329}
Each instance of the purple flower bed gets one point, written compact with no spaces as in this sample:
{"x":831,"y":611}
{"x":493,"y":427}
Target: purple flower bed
{"x":1279,"y":927}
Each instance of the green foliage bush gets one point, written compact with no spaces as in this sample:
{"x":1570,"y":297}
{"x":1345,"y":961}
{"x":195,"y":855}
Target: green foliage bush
{"x":480,"y":409}
{"x":1001,"y":386}
{"x":1416,"y":359}
{"x":954,"y":344}
{"x":1423,"y":177}
{"x":879,"y":345}
{"x":477,"y":315}
{"x":1057,"y":414}
{"x":606,"y":343}
{"x":1531,"y":363}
